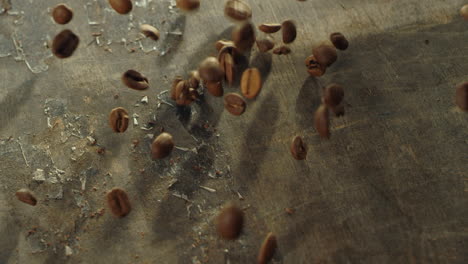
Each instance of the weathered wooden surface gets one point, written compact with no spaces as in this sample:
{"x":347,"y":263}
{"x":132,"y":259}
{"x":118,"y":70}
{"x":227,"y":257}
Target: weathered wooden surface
{"x":389,"y":187}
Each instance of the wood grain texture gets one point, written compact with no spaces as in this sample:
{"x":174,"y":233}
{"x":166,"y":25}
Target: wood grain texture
{"x":388,"y":187}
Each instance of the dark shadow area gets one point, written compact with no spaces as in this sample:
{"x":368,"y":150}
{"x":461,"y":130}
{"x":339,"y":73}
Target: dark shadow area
{"x":307,"y":102}
{"x":262,"y":61}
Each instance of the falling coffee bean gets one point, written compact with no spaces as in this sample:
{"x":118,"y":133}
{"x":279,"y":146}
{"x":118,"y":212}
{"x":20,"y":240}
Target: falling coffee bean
{"x":227,"y":64}
{"x":182,"y":94}
{"x":194,"y":79}
{"x":339,"y":41}
{"x":62,"y":14}
{"x":268,"y":249}
{"x":26,"y":196}
{"x":150,"y":31}
{"x":223,"y":42}
{"x":464,"y":12}
{"x":289,"y":31}
{"x":234,"y":104}
{"x":269,"y":28}
{"x":64,"y":44}
{"x":283,"y":50}
{"x":210,"y":70}
{"x":298,"y":148}
{"x":325,"y":55}
{"x":461,"y":97}
{"x":176,"y":81}
{"x":251,"y":83}
{"x":135,"y":80}
{"x":230,"y":49}
{"x":237,"y":10}
{"x":188,"y":5}
{"x":244,"y":36}
{"x":118,"y":202}
{"x":121,"y":6}
{"x":265,"y":45}
{"x":313,"y":67}
{"x":215,"y":88}
{"x":322,"y":122}
{"x":118,"y":120}
{"x":333,"y":95}
{"x":162,"y":146}
{"x":229,"y":222}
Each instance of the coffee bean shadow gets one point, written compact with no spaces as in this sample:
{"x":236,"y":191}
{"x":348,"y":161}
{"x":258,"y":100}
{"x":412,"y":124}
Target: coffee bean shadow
{"x":14,"y":100}
{"x":12,"y":233}
{"x":262,"y":61}
{"x":307,"y":102}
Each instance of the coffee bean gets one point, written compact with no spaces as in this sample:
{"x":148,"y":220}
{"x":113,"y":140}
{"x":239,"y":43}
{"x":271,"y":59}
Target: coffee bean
{"x":194,"y":79}
{"x":121,"y":6}
{"x":215,"y":88}
{"x":289,"y":31}
{"x":283,"y":50}
{"x":64,"y":44}
{"x":62,"y":14}
{"x":229,"y":48}
{"x":265,"y":45}
{"x":210,"y":70}
{"x":339,"y":41}
{"x":325,"y":55}
{"x":237,"y":10}
{"x":135,"y":80}
{"x":118,"y":120}
{"x":251,"y":83}
{"x":244,"y":37}
{"x":162,"y":146}
{"x":229,"y":222}
{"x":184,"y":94}
{"x":268,"y":249}
{"x":234,"y":104}
{"x":150,"y":31}
{"x":118,"y":202}
{"x":26,"y":196}
{"x":464,"y":12}
{"x":461,"y":98}
{"x":227,"y":64}
{"x":174,"y":92}
{"x":333,"y":95}
{"x":269,"y":28}
{"x":223,"y":42}
{"x":298,"y":148}
{"x":313,"y":67}
{"x":188,"y":5}
{"x":322,"y":121}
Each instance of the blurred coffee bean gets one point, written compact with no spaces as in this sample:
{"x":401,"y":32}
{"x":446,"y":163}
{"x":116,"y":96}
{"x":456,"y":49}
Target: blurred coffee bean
{"x":339,"y":41}
{"x":237,"y":10}
{"x":62,"y":14}
{"x":64,"y":44}
{"x":162,"y":146}
{"x":229,"y":222}
{"x":325,"y":55}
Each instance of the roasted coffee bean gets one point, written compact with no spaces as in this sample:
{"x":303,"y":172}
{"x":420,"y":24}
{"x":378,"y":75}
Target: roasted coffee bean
{"x":298,"y":148}
{"x":150,"y":31}
{"x":237,"y":10}
{"x":325,"y":55}
{"x":229,"y":222}
{"x":135,"y":80}
{"x":269,"y":28}
{"x":289,"y":31}
{"x":215,"y":88}
{"x":162,"y":146}
{"x":313,"y":67}
{"x":251,"y":83}
{"x":118,"y":120}
{"x":244,"y":37}
{"x":227,"y":64}
{"x":339,"y":41}
{"x":174,"y":92}
{"x":265,"y":45}
{"x":268,"y":249}
{"x":333,"y":95}
{"x":234,"y":104}
{"x":64,"y":44}
{"x":184,"y":94}
{"x":223,"y":42}
{"x":62,"y":14}
{"x":188,"y":5}
{"x":194,"y":79}
{"x":283,"y":50}
{"x":322,"y":121}
{"x":464,"y":12}
{"x":118,"y":202}
{"x":461,"y":98}
{"x":121,"y":6}
{"x":229,"y":48}
{"x":210,"y":70}
{"x":26,"y":196}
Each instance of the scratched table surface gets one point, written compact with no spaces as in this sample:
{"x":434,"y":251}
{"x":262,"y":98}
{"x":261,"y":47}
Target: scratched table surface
{"x":390,"y":186}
